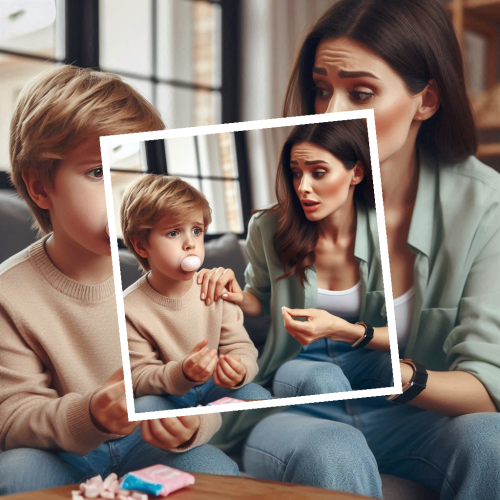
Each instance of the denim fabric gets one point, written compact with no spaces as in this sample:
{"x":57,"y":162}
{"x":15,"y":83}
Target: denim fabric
{"x":209,"y":392}
{"x":326,"y":366}
{"x":27,"y":469}
{"x":345,"y":445}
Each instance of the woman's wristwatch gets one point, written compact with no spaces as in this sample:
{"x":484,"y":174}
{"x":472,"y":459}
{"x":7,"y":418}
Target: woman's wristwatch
{"x":367,"y":337}
{"x":414,"y":387}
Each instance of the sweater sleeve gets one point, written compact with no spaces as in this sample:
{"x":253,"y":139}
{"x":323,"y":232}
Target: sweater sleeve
{"x":150,"y":375}
{"x":209,"y":424}
{"x":257,"y":279}
{"x":234,"y":339}
{"x":32,"y":413}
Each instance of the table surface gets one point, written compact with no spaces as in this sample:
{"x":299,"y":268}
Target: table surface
{"x":214,"y":487}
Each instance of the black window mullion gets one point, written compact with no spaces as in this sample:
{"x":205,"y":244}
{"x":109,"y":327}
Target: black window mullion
{"x":156,"y":157}
{"x":244,"y":178}
{"x":82,"y":33}
{"x":230,"y":61}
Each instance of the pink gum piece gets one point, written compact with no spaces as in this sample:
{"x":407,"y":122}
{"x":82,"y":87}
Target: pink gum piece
{"x":109,"y":480}
{"x":124,"y":493}
{"x":139,"y":496}
{"x":91,"y":491}
{"x":115,"y":486}
{"x":107,"y":494}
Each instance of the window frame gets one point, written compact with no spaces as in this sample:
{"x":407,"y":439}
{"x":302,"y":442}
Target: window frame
{"x":82,"y":49}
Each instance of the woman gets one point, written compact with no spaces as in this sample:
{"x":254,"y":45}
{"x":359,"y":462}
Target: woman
{"x":442,"y":209}
{"x":323,"y":168}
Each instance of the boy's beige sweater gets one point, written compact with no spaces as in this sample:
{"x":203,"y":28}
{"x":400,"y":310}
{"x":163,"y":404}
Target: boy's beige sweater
{"x":59,"y":342}
{"x":162,"y":331}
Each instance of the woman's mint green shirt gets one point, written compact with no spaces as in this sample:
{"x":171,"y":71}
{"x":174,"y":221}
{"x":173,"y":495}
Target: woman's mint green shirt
{"x":455,"y":235}
{"x":264,"y":269}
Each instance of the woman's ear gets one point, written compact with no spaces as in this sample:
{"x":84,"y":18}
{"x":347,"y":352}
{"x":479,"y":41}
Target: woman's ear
{"x":36,"y":189}
{"x":358,"y":174}
{"x":430,"y":102}
{"x":139,"y":247}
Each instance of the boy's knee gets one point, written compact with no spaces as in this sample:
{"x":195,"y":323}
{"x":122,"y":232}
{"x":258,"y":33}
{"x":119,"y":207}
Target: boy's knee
{"x":17,"y":465}
{"x":323,"y":378}
{"x":153,"y":403}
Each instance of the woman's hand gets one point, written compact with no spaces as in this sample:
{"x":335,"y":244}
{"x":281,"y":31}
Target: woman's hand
{"x":170,"y":433}
{"x":319,"y":324}
{"x":219,"y":282}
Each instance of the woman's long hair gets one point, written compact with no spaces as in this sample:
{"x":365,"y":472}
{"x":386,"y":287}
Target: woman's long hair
{"x":296,"y":236}
{"x":416,"y":38}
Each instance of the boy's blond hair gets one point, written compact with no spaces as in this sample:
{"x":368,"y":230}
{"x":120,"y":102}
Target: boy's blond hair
{"x":150,"y":198}
{"x":64,"y":105}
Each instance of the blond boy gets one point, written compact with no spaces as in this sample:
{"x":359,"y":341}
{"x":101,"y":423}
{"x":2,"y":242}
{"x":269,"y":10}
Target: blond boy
{"x":63,"y":416}
{"x":181,"y":349}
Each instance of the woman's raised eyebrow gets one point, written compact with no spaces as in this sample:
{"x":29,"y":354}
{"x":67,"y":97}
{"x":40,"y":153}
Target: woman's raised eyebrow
{"x":308,"y":162}
{"x":321,"y":71}
{"x":356,"y":74}
{"x":346,"y":74}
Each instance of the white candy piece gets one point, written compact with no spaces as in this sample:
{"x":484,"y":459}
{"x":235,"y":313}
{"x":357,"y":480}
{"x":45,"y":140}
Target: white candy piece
{"x":191,"y":263}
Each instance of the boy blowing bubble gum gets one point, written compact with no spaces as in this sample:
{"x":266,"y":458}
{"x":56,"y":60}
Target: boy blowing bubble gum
{"x":183,"y":353}
{"x":63,"y":415}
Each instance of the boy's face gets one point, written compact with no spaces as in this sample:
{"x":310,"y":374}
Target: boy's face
{"x":171,"y":241}
{"x":78,"y":205}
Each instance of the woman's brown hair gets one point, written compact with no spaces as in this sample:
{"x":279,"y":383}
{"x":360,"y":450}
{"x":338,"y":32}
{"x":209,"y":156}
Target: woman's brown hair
{"x":296,"y":237}
{"x":416,"y":38}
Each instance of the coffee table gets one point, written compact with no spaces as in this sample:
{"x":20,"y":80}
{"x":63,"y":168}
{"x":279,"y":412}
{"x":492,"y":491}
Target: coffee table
{"x":213,"y":488}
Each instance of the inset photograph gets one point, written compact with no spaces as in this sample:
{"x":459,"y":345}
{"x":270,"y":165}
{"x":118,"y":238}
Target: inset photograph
{"x":252,"y":260}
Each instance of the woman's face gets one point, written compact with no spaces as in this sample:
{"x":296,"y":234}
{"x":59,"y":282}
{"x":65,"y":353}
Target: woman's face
{"x":321,"y":181}
{"x":347,"y":76}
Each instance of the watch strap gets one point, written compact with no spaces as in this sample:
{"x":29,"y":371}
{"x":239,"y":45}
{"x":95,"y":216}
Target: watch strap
{"x":417,"y":384}
{"x":367,"y":337}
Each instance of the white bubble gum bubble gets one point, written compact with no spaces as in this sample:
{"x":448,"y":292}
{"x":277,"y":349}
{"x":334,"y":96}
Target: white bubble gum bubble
{"x":191,"y":263}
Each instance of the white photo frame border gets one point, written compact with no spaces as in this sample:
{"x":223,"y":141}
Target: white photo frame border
{"x":107,"y":142}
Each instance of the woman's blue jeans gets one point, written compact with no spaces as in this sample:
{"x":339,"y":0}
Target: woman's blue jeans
{"x":345,"y":445}
{"x":27,"y":469}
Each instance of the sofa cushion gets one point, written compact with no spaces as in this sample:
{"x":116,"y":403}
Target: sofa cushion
{"x":15,"y":224}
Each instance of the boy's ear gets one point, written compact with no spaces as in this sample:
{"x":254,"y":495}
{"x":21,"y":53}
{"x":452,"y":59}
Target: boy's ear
{"x":139,"y":247}
{"x":430,"y":102}
{"x":359,"y":174}
{"x":36,"y":189}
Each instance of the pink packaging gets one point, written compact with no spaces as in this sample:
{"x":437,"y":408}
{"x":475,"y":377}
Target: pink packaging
{"x":157,"y":480}
{"x":225,"y":401}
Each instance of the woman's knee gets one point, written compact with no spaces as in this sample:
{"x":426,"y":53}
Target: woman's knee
{"x":252,"y":391}
{"x":477,"y":437}
{"x":208,"y":459}
{"x":323,"y":378}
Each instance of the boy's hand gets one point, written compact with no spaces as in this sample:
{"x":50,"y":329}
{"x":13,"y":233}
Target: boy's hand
{"x":170,"y":433}
{"x":219,"y":282}
{"x":230,"y":371}
{"x":108,"y":407}
{"x":200,"y":363}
